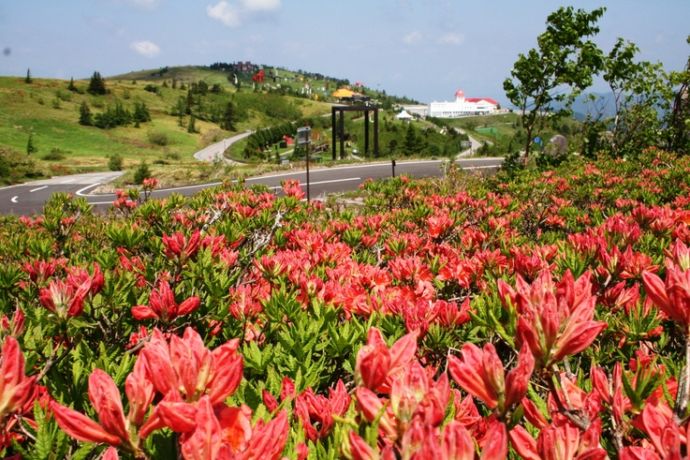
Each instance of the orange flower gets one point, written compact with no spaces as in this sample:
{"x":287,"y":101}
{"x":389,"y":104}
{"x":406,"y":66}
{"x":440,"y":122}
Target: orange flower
{"x":480,"y":372}
{"x":555,"y":320}
{"x":162,"y":305}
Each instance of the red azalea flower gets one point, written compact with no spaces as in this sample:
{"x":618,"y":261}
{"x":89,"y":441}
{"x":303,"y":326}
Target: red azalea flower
{"x":162,"y":305}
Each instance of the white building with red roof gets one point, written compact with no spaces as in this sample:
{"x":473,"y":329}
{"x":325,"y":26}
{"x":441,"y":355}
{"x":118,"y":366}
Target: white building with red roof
{"x":463,"y":106}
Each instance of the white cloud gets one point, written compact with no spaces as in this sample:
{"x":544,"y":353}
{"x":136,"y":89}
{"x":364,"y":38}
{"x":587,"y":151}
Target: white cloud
{"x":413,"y":37}
{"x":452,"y":38}
{"x":225,"y":13}
{"x":234,"y":14}
{"x":146,"y":48}
{"x":260,"y":5}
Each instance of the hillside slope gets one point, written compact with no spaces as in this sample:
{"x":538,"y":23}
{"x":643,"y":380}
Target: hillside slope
{"x":46,"y":111}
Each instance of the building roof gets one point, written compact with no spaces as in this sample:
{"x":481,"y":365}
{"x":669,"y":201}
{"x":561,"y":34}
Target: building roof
{"x":479,"y":99}
{"x":343,"y":93}
{"x":403,"y":116}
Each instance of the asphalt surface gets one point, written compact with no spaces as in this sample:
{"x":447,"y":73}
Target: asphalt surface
{"x":29,"y":198}
{"x":215,"y":152}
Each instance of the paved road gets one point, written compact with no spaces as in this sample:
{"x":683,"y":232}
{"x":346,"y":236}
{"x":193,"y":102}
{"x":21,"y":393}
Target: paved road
{"x":214,"y":152}
{"x":29,"y":198}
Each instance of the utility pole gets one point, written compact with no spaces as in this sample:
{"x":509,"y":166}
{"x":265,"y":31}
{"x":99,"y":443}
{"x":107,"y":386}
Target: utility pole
{"x":303,"y":139}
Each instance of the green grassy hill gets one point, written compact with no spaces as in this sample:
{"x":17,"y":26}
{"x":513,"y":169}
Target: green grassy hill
{"x":502,"y":133}
{"x":48,"y":112}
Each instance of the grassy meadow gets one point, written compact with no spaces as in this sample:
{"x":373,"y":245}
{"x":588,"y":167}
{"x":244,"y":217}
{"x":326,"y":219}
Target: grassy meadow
{"x":48,"y":112}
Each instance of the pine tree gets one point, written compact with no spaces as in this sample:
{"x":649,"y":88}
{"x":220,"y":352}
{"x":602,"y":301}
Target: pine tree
{"x":228,"y":120}
{"x":28,"y":76}
{"x":142,"y":172}
{"x":97,"y":84}
{"x":71,"y":86}
{"x":85,"y":114}
{"x":30,"y":146}
{"x":141,"y":113}
{"x":191,"y":127}
{"x":411,"y":142}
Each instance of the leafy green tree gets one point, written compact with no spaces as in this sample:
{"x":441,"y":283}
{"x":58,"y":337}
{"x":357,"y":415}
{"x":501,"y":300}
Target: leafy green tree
{"x":28,"y":79}
{"x":30,"y":146}
{"x":640,"y":91}
{"x":679,"y":117}
{"x":85,"y":114}
{"x":97,"y":84}
{"x":557,"y":70}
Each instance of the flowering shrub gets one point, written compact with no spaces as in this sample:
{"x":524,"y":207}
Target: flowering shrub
{"x":545,"y":316}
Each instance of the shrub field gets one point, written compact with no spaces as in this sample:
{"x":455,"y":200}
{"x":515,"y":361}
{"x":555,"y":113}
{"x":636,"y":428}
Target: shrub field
{"x":543,"y":316}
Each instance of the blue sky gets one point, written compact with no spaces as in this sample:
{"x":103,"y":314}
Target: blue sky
{"x":424,"y":49}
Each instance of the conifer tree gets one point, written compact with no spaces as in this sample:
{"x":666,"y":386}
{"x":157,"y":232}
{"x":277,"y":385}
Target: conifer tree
{"x":228,"y":120}
{"x":28,"y":76}
{"x":30,"y":146}
{"x":85,"y":114}
{"x":97,"y":84}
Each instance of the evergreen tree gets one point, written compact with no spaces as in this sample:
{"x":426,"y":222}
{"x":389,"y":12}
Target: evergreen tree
{"x":28,"y":76}
{"x":191,"y":127}
{"x":189,"y":102}
{"x":85,"y":114}
{"x":71,"y":86}
{"x":142,"y":172}
{"x":30,"y":146}
{"x":97,"y":84}
{"x":411,"y":143}
{"x":141,"y":113}
{"x":228,"y":120}
{"x":180,"y":108}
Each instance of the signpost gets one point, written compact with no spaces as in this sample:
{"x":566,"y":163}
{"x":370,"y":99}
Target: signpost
{"x":303,"y":139}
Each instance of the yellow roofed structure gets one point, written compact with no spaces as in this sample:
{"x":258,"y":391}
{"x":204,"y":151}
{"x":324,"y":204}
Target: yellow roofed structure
{"x":343,"y":93}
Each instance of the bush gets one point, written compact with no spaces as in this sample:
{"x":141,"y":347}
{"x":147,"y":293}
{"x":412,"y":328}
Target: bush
{"x":158,"y":138}
{"x":152,"y":88}
{"x":55,"y":154}
{"x":142,"y":172}
{"x":115,"y":162}
{"x":63,"y":95}
{"x":15,"y":166}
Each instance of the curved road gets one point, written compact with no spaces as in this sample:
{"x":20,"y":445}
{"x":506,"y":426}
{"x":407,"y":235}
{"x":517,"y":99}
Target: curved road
{"x":214,"y":152}
{"x":28,"y":198}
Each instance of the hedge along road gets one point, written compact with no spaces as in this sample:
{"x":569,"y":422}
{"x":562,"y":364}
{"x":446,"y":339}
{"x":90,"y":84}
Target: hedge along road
{"x":29,"y":198}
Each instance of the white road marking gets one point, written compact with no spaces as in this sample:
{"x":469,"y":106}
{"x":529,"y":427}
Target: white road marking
{"x":80,"y":192}
{"x":67,"y":181}
{"x":37,"y":189}
{"x":211,"y":184}
{"x":14,"y":199}
{"x":482,"y":167}
{"x":334,"y":181}
{"x":348,"y":179}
